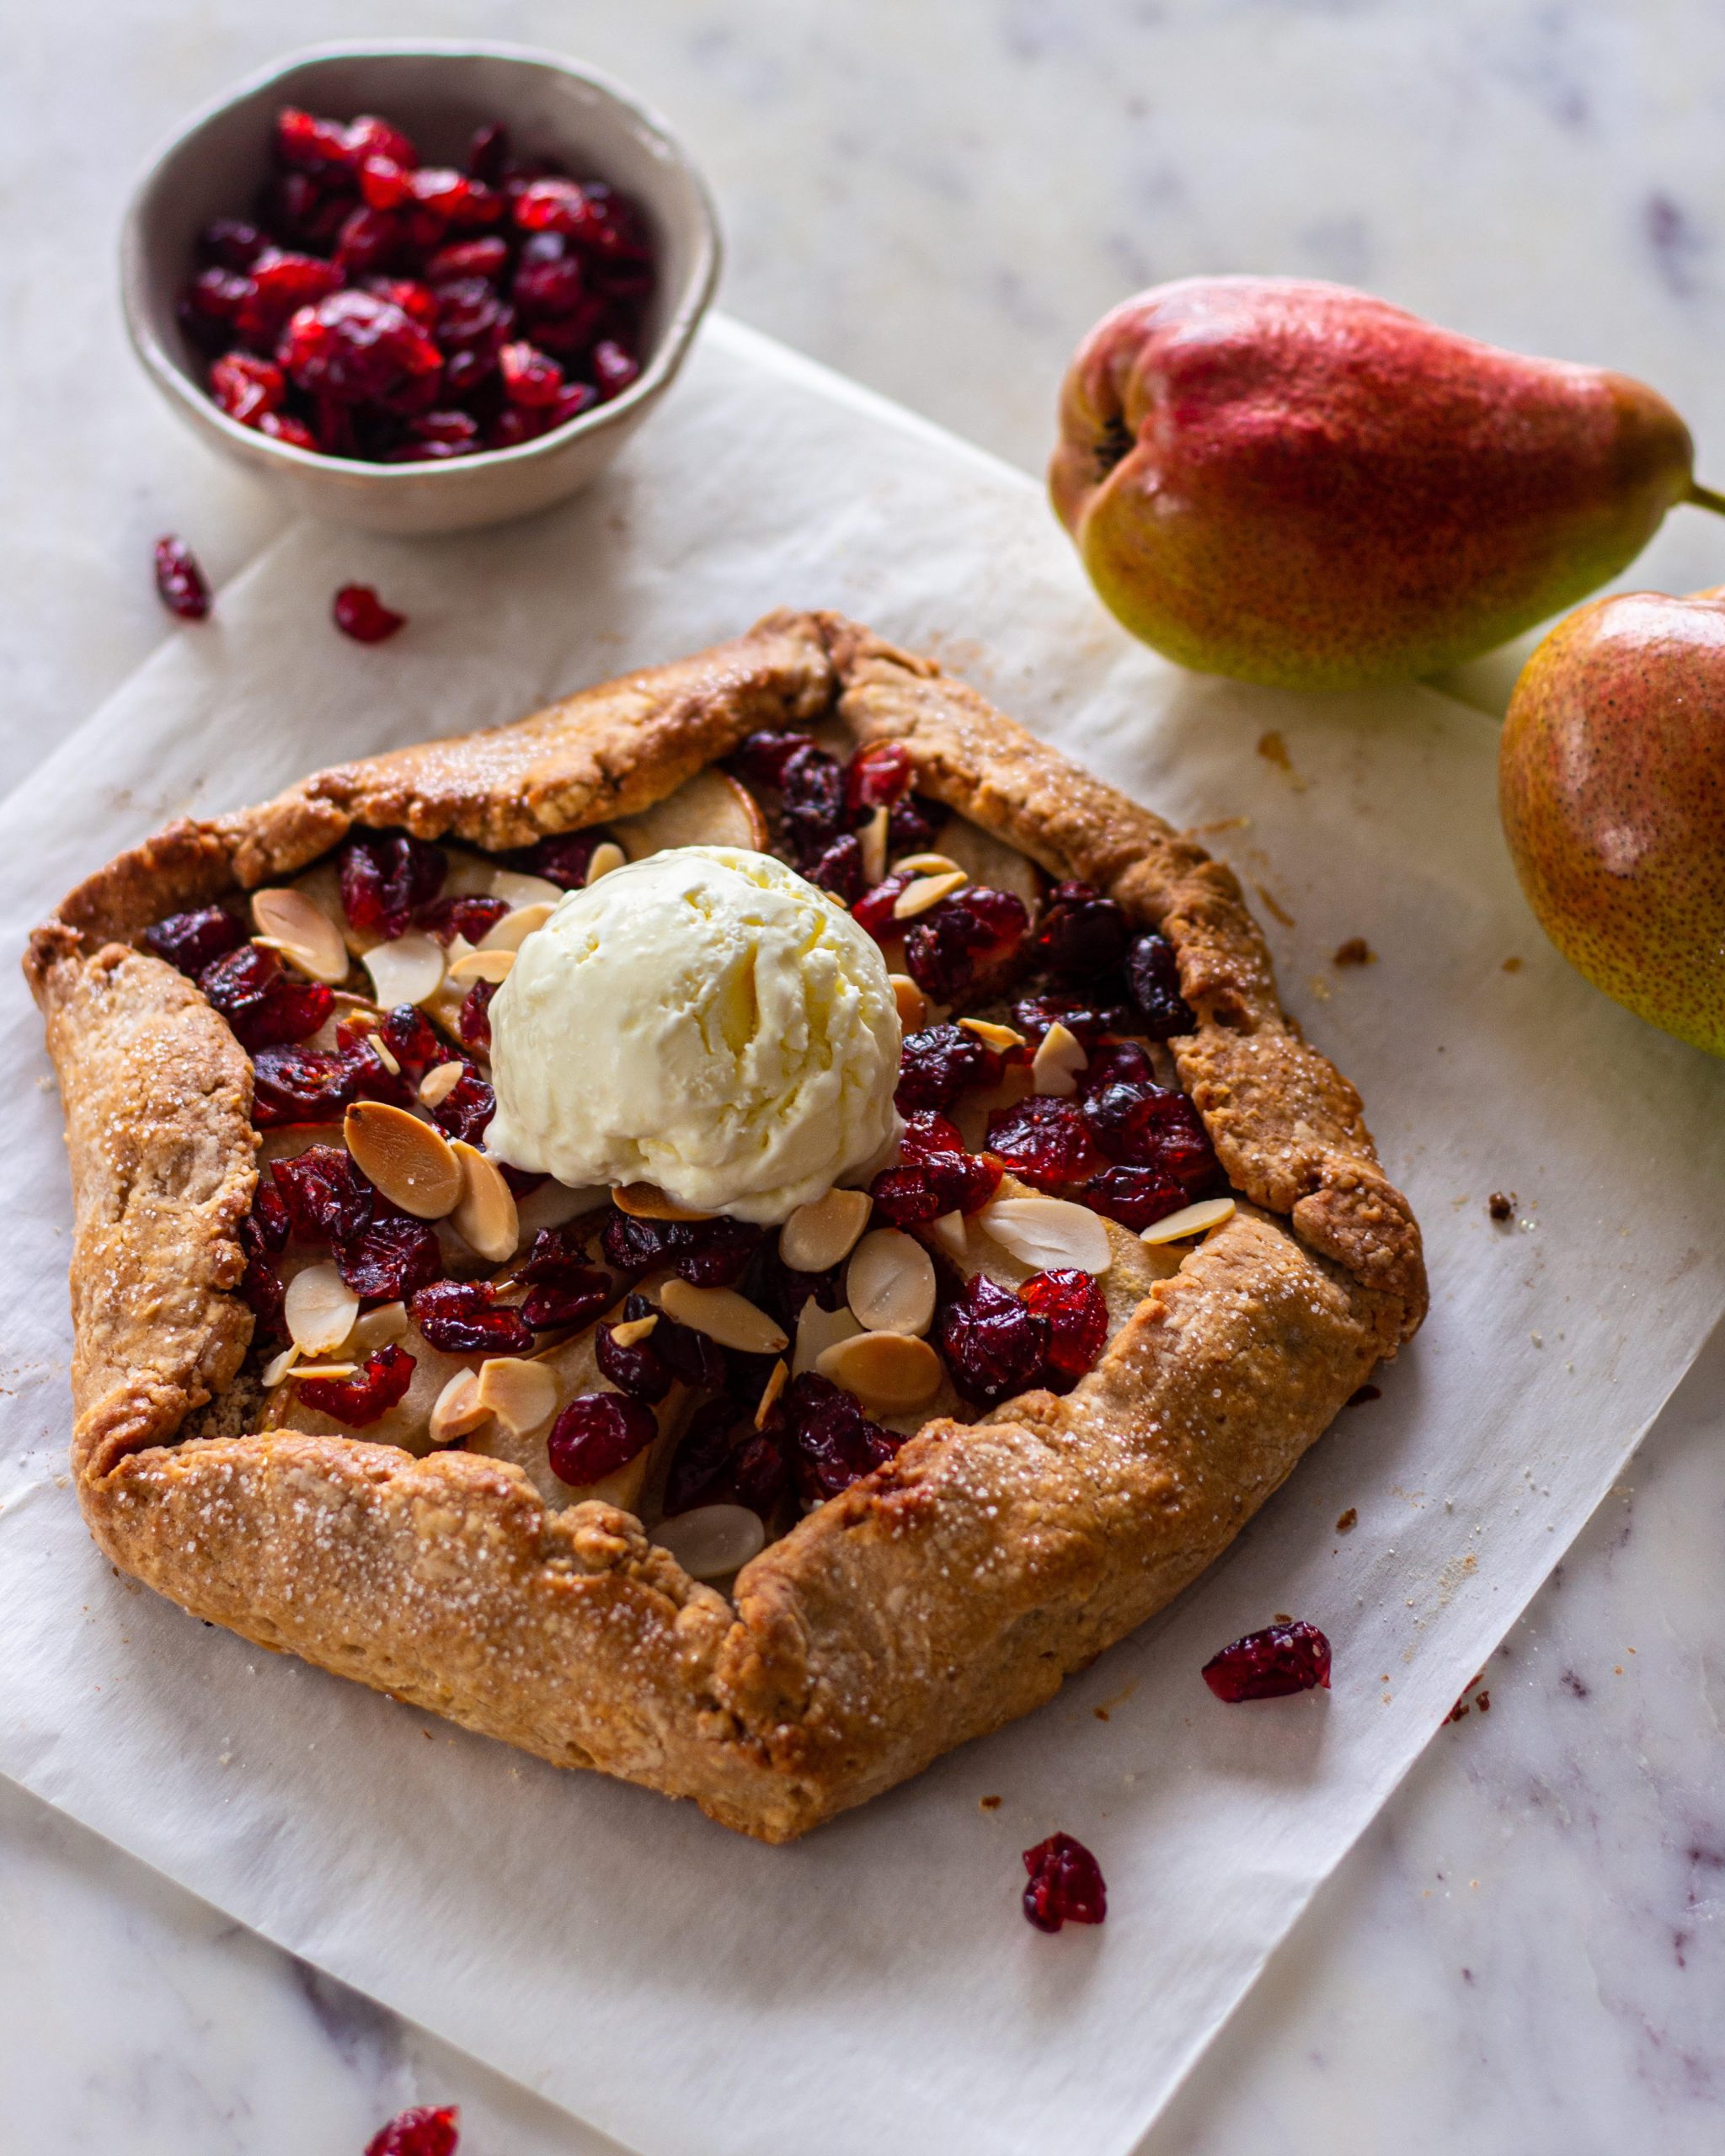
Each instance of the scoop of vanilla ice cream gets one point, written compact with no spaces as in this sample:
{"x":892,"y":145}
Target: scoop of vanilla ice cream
{"x":704,"y":1019}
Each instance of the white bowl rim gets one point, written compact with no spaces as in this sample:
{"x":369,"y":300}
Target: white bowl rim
{"x":674,"y":339}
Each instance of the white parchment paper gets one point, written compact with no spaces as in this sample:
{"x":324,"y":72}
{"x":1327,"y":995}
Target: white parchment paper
{"x":875,"y":1987}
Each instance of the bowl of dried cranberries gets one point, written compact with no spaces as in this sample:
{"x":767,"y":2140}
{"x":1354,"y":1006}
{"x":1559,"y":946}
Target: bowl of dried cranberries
{"x":420,"y":287}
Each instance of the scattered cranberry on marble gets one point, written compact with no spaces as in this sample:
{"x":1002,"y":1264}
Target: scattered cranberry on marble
{"x":1066,"y":1885}
{"x":358,"y":612}
{"x":1270,"y":1664}
{"x":183,"y":589}
{"x":422,"y":2132}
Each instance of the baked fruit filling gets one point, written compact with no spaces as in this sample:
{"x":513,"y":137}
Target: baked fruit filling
{"x":715,"y":1374}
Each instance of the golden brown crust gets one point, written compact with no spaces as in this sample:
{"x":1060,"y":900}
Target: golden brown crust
{"x":935,"y":1600}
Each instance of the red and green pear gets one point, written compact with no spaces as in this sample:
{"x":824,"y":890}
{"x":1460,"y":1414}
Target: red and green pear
{"x":1611,"y":780}
{"x":1299,"y":484}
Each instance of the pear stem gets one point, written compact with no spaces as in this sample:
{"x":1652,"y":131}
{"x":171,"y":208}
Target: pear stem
{"x":1705,"y":498}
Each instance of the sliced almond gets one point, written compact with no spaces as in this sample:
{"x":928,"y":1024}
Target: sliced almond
{"x":385,"y":1055}
{"x":1060,"y":1057}
{"x":646,"y":1201}
{"x":818,"y":1330}
{"x":777,"y":1378}
{"x":278,"y":1366}
{"x":409,"y":970}
{"x":712,"y":808}
{"x":713,"y":1540}
{"x":376,"y":1329}
{"x":484,"y":1215}
{"x":819,"y":1235}
{"x":1001,"y":1038}
{"x":516,"y":890}
{"x":410,"y":1161}
{"x":295,"y":926}
{"x":890,"y":1282}
{"x":321,"y":1371}
{"x":509,"y":933}
{"x":890,"y":1372}
{"x":320,"y":1309}
{"x":480,"y":965}
{"x":950,"y":1232}
{"x":1048,"y":1232}
{"x":913,"y":1004}
{"x":634,"y":1329}
{"x":606,"y":859}
{"x":924,"y":864}
{"x":1190,"y":1221}
{"x":439,"y":1082}
{"x":873,"y":839}
{"x":724,"y":1315}
{"x":520,"y":1393}
{"x":457,"y":1409}
{"x":922,"y":892}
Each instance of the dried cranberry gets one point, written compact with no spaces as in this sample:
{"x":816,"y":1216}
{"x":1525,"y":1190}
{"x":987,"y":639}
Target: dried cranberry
{"x":190,"y":940}
{"x":486,"y":258}
{"x":466,"y":1110}
{"x":282,"y":426}
{"x":1154,"y":973}
{"x":1066,"y":1885}
{"x":562,"y":1289}
{"x":939,"y":1063}
{"x":369,"y":136}
{"x":637,"y":1368}
{"x":1137,"y":1198}
{"x":596,"y":1434}
{"x":877,"y":777}
{"x":578,"y":397}
{"x":938,"y":1176}
{"x":1076,"y":1314}
{"x":411,"y":1039}
{"x":267,"y":1226}
{"x":208,"y":310}
{"x":328,"y":1198}
{"x":614,"y":367}
{"x":464,"y":1317}
{"x":369,"y":1078}
{"x":354,"y":346}
{"x":1082,"y":934}
{"x":451,"y":195}
{"x":474,"y":1020}
{"x":1154,"y":1127}
{"x":231,"y":243}
{"x":369,"y":1393}
{"x":299,"y":1085}
{"x":839,"y":869}
{"x":548,"y":282}
{"x":832,"y":1443}
{"x":472,"y":917}
{"x":873,"y":910}
{"x":358,"y":612}
{"x":1084,"y":1019}
{"x":261,"y":1291}
{"x":384,"y":183}
{"x":1270,"y":1664}
{"x":553,"y":205}
{"x":246,"y":387}
{"x":309,"y":144}
{"x":1045,"y":1140}
{"x":994,"y":1344}
{"x":299,"y":212}
{"x":762,"y":757}
{"x":421,"y":2131}
{"x":914,"y":825}
{"x":471,"y":317}
{"x":562,"y":859}
{"x":706,"y":1253}
{"x":390,"y":1261}
{"x":180,"y":583}
{"x":759,"y":1475}
{"x":283,"y":283}
{"x":966,"y":945}
{"x":487,"y":153}
{"x":386,"y":878}
{"x":701,"y":1468}
{"x":530,"y":376}
{"x":813,"y":789}
{"x":1117,"y":1063}
{"x":261,"y":1001}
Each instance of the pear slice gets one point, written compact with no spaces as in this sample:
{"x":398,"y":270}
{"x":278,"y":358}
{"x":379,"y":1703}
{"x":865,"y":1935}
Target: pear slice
{"x":990,"y":860}
{"x":712,"y":808}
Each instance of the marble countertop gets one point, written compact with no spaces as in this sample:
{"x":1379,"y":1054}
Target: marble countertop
{"x":1527,"y":1950}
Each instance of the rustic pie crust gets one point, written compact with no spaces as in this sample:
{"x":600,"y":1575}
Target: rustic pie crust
{"x":942,"y":1596}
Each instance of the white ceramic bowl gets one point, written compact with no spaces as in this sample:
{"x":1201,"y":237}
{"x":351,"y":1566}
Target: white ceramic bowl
{"x":439,"y":92}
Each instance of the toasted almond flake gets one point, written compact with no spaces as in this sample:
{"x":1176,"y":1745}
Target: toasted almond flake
{"x":777,"y":1378}
{"x":298,"y":926}
{"x":724,"y":1315}
{"x":713,"y":1540}
{"x":913,"y":1004}
{"x":439,"y":1082}
{"x":385,"y":1055}
{"x":925,"y":864}
{"x":320,"y":1309}
{"x":520,"y":1393}
{"x":1060,"y":1057}
{"x":950,"y":1232}
{"x":646,"y":1201}
{"x":890,"y":1372}
{"x":1190,"y":1221}
{"x":278,"y":1366}
{"x":926,"y":891}
{"x":890,"y":1282}
{"x":817,"y":1235}
{"x":712,"y":808}
{"x":634,"y":1329}
{"x":484,"y":1215}
{"x":1000,"y":1038}
{"x":480,"y":965}
{"x":818,"y":1330}
{"x":509,"y":933}
{"x":409,"y":970}
{"x":608,"y":858}
{"x":458,"y":1409}
{"x":376,"y":1329}
{"x":321,"y":1371}
{"x":516,"y":890}
{"x":873,"y":838}
{"x":410,"y":1161}
{"x":1048,"y":1232}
